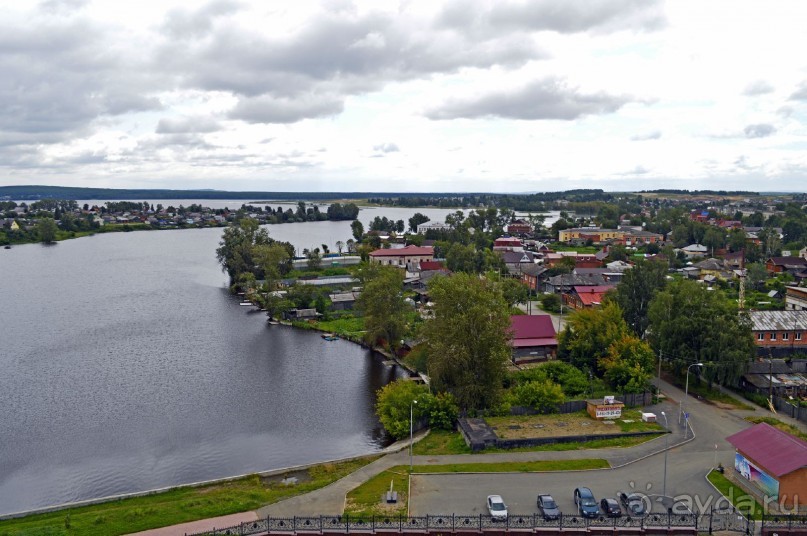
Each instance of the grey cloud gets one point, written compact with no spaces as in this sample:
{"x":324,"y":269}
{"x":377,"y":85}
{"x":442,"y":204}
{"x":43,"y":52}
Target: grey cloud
{"x":801,"y":93}
{"x":339,"y":54}
{"x":569,"y":16}
{"x":757,"y":87}
{"x":185,"y":24}
{"x":268,"y":109}
{"x":546,"y":99}
{"x":179,"y":125}
{"x":386,"y":148}
{"x":60,"y":77}
{"x":653,"y":135}
{"x":62,"y":6}
{"x":761,"y":130}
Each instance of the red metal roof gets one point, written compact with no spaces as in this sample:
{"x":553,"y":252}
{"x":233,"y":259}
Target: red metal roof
{"x":425,"y":266}
{"x":526,"y":343}
{"x":778,"y":452}
{"x":532,"y":327}
{"x":408,"y":251}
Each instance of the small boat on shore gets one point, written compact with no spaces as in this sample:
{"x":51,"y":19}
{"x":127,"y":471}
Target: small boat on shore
{"x":330,"y":337}
{"x":246,"y":303}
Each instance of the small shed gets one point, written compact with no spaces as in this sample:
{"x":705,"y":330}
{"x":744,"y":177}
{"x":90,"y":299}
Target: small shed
{"x":771,"y":462}
{"x":301,"y":314}
{"x":604,"y":408}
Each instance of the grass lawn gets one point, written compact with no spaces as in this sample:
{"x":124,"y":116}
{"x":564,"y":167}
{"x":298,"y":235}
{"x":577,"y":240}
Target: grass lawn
{"x":176,"y":506}
{"x":366,"y":500}
{"x":567,"y":424}
{"x":702,"y":390}
{"x":343,"y":326}
{"x":445,"y":442}
{"x":515,"y":467}
{"x":776,"y":423}
{"x":744,"y":502}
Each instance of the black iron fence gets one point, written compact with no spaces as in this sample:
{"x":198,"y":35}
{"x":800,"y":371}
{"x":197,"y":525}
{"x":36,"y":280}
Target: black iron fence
{"x":345,"y":524}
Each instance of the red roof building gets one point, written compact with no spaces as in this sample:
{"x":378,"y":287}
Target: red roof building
{"x":409,"y":257}
{"x":586,"y":297}
{"x":771,"y":462}
{"x":534,"y":338}
{"x":426,"y":266}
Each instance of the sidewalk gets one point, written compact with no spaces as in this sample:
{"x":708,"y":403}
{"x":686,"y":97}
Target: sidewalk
{"x":200,"y":526}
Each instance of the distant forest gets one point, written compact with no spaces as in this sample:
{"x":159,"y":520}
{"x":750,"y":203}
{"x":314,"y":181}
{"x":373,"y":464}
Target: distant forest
{"x":531,"y":201}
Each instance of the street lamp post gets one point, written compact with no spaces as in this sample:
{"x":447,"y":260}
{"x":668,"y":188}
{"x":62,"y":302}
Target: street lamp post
{"x":411,"y":431}
{"x":666,"y":444}
{"x":686,"y":392}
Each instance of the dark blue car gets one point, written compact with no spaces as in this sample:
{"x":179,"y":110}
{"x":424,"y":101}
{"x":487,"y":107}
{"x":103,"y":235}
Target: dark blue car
{"x":586,"y":503}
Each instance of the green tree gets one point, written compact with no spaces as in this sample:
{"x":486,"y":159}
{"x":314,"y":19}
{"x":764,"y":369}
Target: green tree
{"x":46,"y":229}
{"x":550,"y":303}
{"x":313,"y":259}
{"x":382,"y":304}
{"x":416,"y":220}
{"x":270,"y":258}
{"x":689,"y":324}
{"x":628,"y":365}
{"x":357,"y":229}
{"x":468,"y":339}
{"x":514,"y":291}
{"x":394,"y":403}
{"x":543,"y":396}
{"x":589,"y":333}
{"x":235,"y":251}
{"x":441,"y":410}
{"x":635,"y":291}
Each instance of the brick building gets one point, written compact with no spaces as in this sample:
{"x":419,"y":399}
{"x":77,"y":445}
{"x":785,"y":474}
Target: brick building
{"x":771,"y":463}
{"x":779,"y":333}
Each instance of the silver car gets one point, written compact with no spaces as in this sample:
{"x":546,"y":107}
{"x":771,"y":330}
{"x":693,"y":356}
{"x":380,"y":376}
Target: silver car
{"x":496,"y":507}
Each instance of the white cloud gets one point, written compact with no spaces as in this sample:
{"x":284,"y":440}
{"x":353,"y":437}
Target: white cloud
{"x":482,"y":94}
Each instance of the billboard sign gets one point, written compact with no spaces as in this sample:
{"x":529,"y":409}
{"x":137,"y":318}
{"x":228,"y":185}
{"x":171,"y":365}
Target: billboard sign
{"x":765,"y":482}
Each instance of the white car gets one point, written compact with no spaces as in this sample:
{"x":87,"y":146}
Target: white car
{"x":496,"y":507}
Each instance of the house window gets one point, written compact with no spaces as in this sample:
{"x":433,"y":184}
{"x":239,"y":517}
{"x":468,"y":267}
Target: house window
{"x":785,"y":336}
{"x":798,"y":335}
{"x":760,"y":336}
{"x":773,"y":336}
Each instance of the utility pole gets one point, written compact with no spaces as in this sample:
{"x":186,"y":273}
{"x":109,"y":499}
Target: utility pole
{"x":741,"y":301}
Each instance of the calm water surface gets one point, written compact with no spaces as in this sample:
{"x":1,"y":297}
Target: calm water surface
{"x":125,"y":365}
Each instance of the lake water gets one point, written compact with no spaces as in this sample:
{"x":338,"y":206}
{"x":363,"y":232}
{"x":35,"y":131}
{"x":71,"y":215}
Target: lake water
{"x":125,"y":365}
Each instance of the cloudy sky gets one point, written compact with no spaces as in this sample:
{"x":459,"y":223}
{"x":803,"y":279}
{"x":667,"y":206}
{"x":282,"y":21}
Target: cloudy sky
{"x":466,"y":95}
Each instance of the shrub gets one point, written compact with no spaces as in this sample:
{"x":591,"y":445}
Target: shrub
{"x":542,"y":396}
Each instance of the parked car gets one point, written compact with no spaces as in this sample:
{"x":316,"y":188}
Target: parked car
{"x":586,"y":503}
{"x":496,"y":507}
{"x":634,"y":503}
{"x":547,"y":506}
{"x":610,"y":507}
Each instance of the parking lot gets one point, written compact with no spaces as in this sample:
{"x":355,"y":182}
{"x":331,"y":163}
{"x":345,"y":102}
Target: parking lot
{"x":467,"y":493}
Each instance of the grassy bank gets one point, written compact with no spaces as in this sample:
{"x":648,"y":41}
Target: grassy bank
{"x":741,"y":500}
{"x":776,"y":423}
{"x":702,"y":390}
{"x":179,"y":505}
{"x":445,"y":442}
{"x":366,"y":500}
{"x":516,"y":467}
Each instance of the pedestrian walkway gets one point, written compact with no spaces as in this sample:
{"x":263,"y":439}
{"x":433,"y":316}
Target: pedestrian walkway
{"x":202,"y":525}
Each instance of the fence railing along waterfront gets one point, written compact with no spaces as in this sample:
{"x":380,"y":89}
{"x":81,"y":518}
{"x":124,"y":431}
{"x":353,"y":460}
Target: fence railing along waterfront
{"x":345,"y":524}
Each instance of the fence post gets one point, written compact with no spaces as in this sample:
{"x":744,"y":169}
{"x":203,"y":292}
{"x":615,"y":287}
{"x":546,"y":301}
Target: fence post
{"x":347,"y":523}
{"x":373,"y":519}
{"x":452,"y":522}
{"x":400,"y":522}
{"x":320,"y":523}
{"x":294,"y":523}
{"x":480,"y":522}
